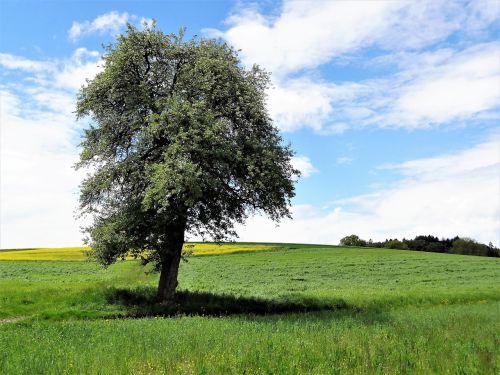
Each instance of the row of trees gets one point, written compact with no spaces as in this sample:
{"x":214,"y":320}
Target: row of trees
{"x":456,"y":245}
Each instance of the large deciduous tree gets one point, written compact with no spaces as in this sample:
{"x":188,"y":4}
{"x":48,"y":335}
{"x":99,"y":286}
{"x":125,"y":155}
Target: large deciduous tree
{"x":179,"y":142}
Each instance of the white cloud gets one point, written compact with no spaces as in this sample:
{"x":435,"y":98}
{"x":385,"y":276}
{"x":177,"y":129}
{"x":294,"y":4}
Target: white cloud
{"x":306,"y":102}
{"x":483,"y":156}
{"x":460,"y":87}
{"x":38,"y":185}
{"x":306,"y":34}
{"x":454,"y":194}
{"x":83,"y":65}
{"x":344,"y":160}
{"x":110,"y":22}
{"x":430,"y":88}
{"x":300,"y":102}
{"x":38,"y":140}
{"x":304,"y":165}
{"x":69,"y":74}
{"x":16,"y":62}
{"x":480,"y":13}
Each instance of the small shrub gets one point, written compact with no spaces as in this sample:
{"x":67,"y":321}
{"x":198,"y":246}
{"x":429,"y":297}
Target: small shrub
{"x":352,"y":240}
{"x":395,"y":244}
{"x":467,"y":246}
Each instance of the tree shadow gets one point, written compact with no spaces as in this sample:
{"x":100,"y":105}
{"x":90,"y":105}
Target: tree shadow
{"x":141,"y":302}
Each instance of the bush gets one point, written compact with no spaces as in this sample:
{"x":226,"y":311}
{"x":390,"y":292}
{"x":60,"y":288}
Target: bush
{"x":493,"y":251}
{"x":352,"y":240}
{"x":395,"y":244}
{"x":467,"y":246}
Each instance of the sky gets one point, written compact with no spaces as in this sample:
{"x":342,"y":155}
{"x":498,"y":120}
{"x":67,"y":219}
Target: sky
{"x":392,"y":108}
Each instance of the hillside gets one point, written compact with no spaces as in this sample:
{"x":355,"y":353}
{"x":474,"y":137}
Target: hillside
{"x":299,"y":309}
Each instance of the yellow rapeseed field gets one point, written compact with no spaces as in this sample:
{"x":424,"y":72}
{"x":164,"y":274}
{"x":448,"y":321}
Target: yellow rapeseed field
{"x":63,"y":253}
{"x":78,"y":253}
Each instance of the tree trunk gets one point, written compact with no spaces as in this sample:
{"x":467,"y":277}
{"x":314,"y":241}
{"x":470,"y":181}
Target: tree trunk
{"x":168,"y":278}
{"x":170,"y":260}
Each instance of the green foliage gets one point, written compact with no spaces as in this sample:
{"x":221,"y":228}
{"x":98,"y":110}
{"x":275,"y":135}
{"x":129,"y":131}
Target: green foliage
{"x":181,"y":141}
{"x":352,"y":240}
{"x":395,"y":244}
{"x":457,"y":245}
{"x":429,"y":243}
{"x":468,"y":246}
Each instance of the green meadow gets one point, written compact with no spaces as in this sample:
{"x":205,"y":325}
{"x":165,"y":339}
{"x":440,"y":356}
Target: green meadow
{"x":284,"y":309}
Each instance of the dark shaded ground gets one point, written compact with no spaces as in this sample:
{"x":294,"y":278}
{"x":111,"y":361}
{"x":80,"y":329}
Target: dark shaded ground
{"x":141,"y":302}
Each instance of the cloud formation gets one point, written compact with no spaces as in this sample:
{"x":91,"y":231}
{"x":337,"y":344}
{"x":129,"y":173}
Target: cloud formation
{"x":304,"y":165}
{"x":38,"y":184}
{"x":39,"y":191}
{"x":447,"y":195}
{"x":429,"y":89}
{"x":16,"y":62}
{"x":432,"y":89}
{"x":66,"y":74}
{"x":108,"y":23}
{"x":434,"y":86}
{"x":306,"y":34}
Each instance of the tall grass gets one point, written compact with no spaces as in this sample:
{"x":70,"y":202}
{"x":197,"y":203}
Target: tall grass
{"x":430,"y":340}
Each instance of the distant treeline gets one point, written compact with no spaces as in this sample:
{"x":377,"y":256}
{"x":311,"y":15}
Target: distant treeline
{"x":456,"y":245}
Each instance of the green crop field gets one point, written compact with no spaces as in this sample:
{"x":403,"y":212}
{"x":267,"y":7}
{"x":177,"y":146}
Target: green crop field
{"x":285,"y":309}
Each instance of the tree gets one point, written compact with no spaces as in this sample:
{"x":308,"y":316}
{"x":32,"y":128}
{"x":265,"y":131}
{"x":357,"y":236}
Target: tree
{"x":468,"y":246}
{"x":395,"y":244}
{"x":180,"y":142}
{"x":352,"y":240}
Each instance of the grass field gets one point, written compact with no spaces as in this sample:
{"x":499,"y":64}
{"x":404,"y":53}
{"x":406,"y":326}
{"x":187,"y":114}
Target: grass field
{"x":284,"y":309}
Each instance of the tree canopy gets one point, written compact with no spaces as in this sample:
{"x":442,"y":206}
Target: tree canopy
{"x":180,"y":141}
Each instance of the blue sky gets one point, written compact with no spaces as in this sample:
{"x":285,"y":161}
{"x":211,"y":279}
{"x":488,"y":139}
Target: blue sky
{"x":392,"y":108}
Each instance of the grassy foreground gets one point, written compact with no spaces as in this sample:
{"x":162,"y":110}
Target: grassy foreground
{"x":379,"y":311}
